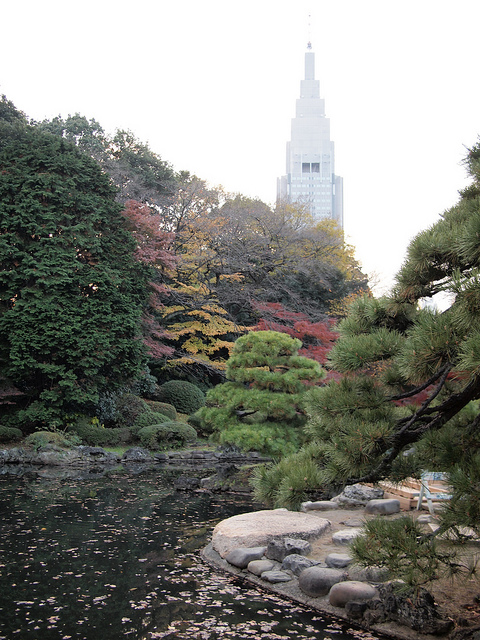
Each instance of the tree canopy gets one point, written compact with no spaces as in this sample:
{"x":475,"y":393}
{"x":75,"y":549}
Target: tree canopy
{"x":71,"y":291}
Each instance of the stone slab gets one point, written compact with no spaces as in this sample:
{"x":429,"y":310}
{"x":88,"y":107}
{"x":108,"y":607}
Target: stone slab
{"x":256,"y":529}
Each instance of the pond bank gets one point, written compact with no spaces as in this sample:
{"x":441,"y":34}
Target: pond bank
{"x":439,"y":618}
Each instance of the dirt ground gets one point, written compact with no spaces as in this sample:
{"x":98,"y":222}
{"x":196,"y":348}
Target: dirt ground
{"x":459,"y":598}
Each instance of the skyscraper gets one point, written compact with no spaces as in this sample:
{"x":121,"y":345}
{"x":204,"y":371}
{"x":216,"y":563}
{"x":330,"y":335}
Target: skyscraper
{"x":310,"y":154}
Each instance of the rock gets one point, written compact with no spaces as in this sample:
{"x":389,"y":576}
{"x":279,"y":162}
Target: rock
{"x":368,"y":574}
{"x":426,"y":518}
{"x":275,"y":576}
{"x":280,"y":549}
{"x":353,"y":522}
{"x":344,"y":592}
{"x":383,"y":506}
{"x":346,"y":536}
{"x":184,"y":483}
{"x":320,"y":505}
{"x":416,"y":610}
{"x":257,"y":567}
{"x":242,"y":556}
{"x":136,"y":454}
{"x":297,"y":563}
{"x":259,"y":527}
{"x":357,"y":495}
{"x":355,"y":610}
{"x":338,"y":560}
{"x":317,"y":581}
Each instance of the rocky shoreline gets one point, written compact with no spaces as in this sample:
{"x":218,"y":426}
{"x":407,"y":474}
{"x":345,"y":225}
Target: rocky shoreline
{"x":312,"y":567}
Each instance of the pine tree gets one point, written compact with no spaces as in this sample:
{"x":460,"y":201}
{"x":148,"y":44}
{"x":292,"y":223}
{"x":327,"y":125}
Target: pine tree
{"x":409,"y":397}
{"x":261,"y":406}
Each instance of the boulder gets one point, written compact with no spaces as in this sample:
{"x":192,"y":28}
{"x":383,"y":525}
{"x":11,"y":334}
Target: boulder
{"x":344,"y":592}
{"x":317,"y":581}
{"x":259,"y":527}
{"x":297,"y":563}
{"x":367,"y":574}
{"x":338,"y":560}
{"x":242,"y":556}
{"x":346,"y":536}
{"x":280,"y":549}
{"x":383,"y":506}
{"x":416,"y":610}
{"x":357,"y":495}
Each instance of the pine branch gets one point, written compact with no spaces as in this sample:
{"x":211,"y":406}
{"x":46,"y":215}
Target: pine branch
{"x":422,"y":387}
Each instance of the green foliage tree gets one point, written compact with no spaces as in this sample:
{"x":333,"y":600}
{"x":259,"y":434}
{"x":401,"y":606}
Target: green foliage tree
{"x":70,"y":289}
{"x":409,"y":398}
{"x":261,"y":406}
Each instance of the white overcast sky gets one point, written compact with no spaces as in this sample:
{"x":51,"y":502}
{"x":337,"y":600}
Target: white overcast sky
{"x":211,"y":86}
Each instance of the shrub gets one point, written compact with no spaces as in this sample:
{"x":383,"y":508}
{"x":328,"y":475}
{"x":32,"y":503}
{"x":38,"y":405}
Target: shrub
{"x":163,"y":407}
{"x":185,"y":396}
{"x":119,"y":409}
{"x":96,"y":435}
{"x":166,"y":435}
{"x":10,"y":434}
{"x":42,"y":438}
{"x":146,"y":420}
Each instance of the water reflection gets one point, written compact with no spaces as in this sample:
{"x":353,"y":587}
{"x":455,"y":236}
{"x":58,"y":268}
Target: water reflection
{"x":118,"y":556}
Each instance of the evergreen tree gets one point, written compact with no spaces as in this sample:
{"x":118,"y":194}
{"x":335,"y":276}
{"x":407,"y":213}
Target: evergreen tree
{"x":70,"y":289}
{"x":409,"y":397}
{"x":261,"y":406}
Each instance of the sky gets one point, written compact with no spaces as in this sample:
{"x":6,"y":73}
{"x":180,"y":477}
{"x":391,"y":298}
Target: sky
{"x":211,"y":86}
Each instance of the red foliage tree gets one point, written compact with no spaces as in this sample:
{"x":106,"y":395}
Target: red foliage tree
{"x":317,"y":337}
{"x":155,"y":249}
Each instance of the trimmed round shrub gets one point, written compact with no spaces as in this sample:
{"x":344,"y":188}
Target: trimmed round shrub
{"x":185,"y":396}
{"x":39,"y":439}
{"x":169,"y":435}
{"x":163,"y":407}
{"x":98,"y":436}
{"x":128,"y":409}
{"x":10,"y":434}
{"x":146,"y":420}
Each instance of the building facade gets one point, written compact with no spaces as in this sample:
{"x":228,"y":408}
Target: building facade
{"x":310,"y":176}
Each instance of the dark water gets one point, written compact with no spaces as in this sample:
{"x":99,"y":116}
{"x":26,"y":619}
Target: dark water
{"x":114,"y":557}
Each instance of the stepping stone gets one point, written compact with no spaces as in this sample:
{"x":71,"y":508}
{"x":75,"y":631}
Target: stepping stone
{"x":257,"y":528}
{"x":297,"y":563}
{"x":275,"y":576}
{"x":338,"y":560}
{"x":346,"y":536}
{"x":320,"y":505}
{"x":242,"y":556}
{"x":384,"y":506}
{"x":347,"y":591}
{"x":353,"y":522}
{"x":317,"y":581}
{"x":257,"y":567}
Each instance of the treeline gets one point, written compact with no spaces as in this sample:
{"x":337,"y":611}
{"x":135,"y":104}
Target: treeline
{"x":116,"y":270}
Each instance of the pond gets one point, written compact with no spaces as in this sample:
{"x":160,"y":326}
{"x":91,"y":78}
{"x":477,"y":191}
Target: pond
{"x":118,"y":556}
